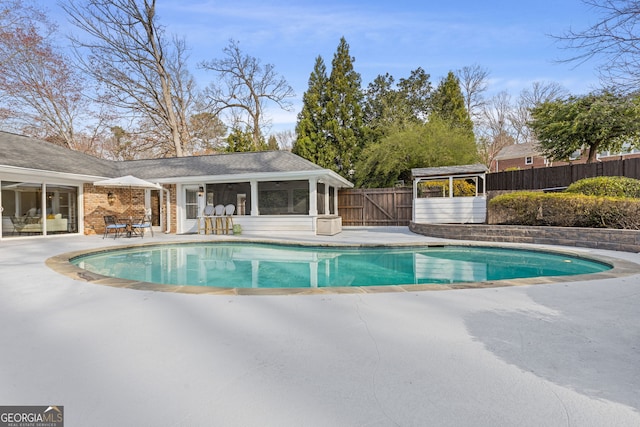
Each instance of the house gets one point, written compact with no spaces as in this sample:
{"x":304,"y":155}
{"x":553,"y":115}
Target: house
{"x":48,"y":189}
{"x":528,"y":155}
{"x":518,"y":156}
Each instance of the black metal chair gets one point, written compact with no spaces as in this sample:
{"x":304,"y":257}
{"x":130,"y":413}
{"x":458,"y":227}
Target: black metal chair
{"x":111,"y":224}
{"x":140,"y":227}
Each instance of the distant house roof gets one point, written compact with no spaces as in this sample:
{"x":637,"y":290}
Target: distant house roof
{"x":518,"y":151}
{"x":25,"y":152}
{"x":449,"y":171}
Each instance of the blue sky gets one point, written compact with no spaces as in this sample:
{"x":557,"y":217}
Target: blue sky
{"x":509,"y":38}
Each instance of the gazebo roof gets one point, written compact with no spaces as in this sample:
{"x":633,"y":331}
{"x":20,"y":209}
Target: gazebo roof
{"x":446,"y":171}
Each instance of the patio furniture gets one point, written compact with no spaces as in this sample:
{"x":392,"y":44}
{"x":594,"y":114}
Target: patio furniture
{"x":205,"y":222}
{"x":228,"y":218}
{"x":219,"y":212}
{"x":33,"y":224}
{"x":138,"y":228}
{"x":111,"y":224}
{"x":19,"y":224}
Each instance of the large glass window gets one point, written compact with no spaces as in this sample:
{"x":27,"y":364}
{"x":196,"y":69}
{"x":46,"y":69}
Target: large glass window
{"x":22,"y":208}
{"x":283,"y":198}
{"x":235,"y":193}
{"x":25,"y":212}
{"x":191,"y":203}
{"x":61,"y":210}
{"x":320,"y":193}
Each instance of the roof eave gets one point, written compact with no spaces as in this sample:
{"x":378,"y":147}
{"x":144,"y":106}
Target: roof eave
{"x":324,"y":175}
{"x":41,"y":174}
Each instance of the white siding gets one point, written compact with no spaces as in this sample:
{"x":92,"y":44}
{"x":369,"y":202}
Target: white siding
{"x":276,"y":222}
{"x":450,"y":210}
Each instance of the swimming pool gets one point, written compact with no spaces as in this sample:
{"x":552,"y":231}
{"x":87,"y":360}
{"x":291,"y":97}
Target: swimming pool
{"x":278,"y":266}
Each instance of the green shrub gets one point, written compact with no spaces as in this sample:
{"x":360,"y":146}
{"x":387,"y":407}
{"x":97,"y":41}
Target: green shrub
{"x":565,"y":210}
{"x":607,"y":186}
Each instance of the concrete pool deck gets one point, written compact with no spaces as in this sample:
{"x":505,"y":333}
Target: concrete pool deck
{"x":551,"y":354}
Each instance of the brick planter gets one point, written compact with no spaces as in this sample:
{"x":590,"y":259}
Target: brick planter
{"x":597,"y":238}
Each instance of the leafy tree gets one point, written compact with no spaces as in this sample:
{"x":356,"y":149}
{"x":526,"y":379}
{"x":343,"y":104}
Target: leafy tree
{"x":448,"y":103}
{"x":388,"y":106}
{"x":344,"y":119}
{"x":382,"y":105}
{"x":417,"y":90}
{"x":435,"y":143}
{"x":272,"y":143}
{"x":311,"y":141}
{"x":598,"y":121}
{"x":207,"y":133}
{"x":247,"y":86}
{"x":240,"y":141}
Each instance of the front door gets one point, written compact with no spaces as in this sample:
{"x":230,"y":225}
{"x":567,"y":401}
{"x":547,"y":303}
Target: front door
{"x":191,"y":209}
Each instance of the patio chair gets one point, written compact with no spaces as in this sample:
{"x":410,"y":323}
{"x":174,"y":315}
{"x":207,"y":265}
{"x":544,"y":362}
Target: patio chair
{"x":139,"y":227}
{"x":228,"y":218}
{"x":219,"y":212}
{"x":18,"y":224}
{"x":111,"y":224}
{"x":204,"y":221}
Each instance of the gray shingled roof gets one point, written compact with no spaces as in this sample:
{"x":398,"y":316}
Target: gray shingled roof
{"x":22,"y":151}
{"x":449,"y":171}
{"x":218,"y":164}
{"x":517,"y":151}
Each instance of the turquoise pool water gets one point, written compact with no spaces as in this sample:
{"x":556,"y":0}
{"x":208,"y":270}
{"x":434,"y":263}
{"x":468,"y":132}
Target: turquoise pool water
{"x":252,"y":265}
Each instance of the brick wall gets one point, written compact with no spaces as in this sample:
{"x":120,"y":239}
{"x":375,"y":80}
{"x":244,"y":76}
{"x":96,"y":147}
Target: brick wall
{"x":517,"y":163}
{"x":597,"y":238}
{"x":126,"y":203}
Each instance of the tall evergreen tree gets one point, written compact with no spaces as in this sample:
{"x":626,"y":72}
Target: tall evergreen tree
{"x":389,"y":107}
{"x":240,"y":141}
{"x":344,"y":126}
{"x":311,"y":138}
{"x":448,"y":103}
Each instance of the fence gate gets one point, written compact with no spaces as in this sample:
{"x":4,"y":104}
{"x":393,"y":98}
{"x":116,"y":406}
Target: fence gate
{"x":375,"y":206}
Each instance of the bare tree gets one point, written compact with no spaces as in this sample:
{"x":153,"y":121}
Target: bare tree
{"x":613,"y":39}
{"x":473,"y":83}
{"x":139,"y":70}
{"x":520,"y":115}
{"x":495,"y":132}
{"x":40,"y":91}
{"x":286,"y":139}
{"x":245,"y":86}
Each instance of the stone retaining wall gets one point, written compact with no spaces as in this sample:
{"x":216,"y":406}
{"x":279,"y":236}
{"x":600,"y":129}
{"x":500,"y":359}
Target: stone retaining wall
{"x":598,"y":238}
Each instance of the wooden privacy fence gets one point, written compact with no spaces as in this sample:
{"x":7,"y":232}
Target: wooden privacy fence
{"x":375,"y":206}
{"x":393,"y":206}
{"x":559,"y":177}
